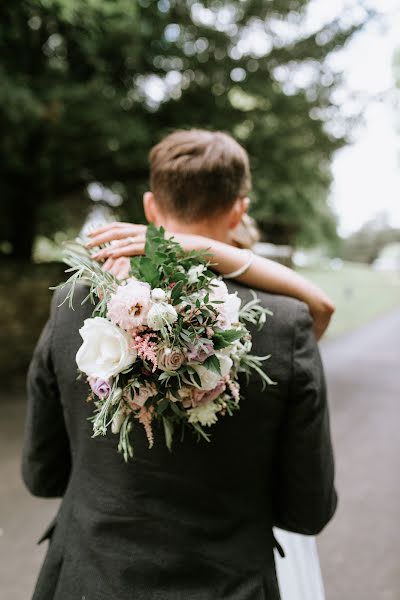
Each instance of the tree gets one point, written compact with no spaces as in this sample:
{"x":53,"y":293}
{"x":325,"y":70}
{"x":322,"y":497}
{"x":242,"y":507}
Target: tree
{"x":366,"y":244}
{"x":88,"y":86}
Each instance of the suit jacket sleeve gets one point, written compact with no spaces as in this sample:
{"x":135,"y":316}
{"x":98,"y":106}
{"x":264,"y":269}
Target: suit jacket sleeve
{"x":46,"y":457}
{"x":305,"y":498}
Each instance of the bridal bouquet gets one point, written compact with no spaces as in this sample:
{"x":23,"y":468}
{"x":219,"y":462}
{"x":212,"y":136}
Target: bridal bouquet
{"x":167,"y":344}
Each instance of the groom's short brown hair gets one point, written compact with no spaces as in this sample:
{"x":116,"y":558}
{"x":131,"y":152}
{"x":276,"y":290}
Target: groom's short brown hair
{"x":196,"y":173}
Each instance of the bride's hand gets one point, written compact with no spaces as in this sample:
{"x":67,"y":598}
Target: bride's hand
{"x":129,"y":240}
{"x":126,"y":239}
{"x":119,"y":267}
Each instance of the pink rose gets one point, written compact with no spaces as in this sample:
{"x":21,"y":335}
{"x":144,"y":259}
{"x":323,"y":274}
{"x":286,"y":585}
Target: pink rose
{"x":138,"y":396}
{"x":170,"y":359}
{"x":200,"y":353}
{"x":203,"y":397}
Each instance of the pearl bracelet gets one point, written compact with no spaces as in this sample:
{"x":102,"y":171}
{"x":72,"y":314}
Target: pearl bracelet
{"x":242,"y":269}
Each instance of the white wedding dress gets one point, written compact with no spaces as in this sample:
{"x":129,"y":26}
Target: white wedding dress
{"x":299,"y":573}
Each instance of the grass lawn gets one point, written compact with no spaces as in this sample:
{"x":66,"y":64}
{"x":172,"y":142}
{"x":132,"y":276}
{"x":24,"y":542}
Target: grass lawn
{"x":360,"y":294}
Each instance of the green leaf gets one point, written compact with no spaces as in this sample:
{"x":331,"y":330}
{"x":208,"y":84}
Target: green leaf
{"x":177,"y":292}
{"x":176,"y":409}
{"x":219,"y":342}
{"x":231,"y":335}
{"x":162,"y":405}
{"x":196,"y":377}
{"x":223,"y":339}
{"x":212,"y":363}
{"x":186,"y":337}
{"x":168,"y":432}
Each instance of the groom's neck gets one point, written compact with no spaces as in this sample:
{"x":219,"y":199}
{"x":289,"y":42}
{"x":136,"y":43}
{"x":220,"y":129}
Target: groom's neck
{"x":211,"y":229}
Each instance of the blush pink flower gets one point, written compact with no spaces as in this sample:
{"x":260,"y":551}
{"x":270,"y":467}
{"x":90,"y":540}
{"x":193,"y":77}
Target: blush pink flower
{"x":130,"y":305}
{"x":138,"y":396}
{"x":200,"y":353}
{"x":145,"y":417}
{"x":170,"y":359}
{"x":147,"y":348}
{"x":200,"y":397}
{"x":234,"y":389}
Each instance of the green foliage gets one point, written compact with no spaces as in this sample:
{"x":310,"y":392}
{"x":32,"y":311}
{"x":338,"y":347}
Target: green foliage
{"x":165,"y":262}
{"x":75,"y":105}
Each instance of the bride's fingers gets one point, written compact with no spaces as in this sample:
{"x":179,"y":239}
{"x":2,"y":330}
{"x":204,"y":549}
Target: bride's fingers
{"x":113,"y":234}
{"x":128,"y":250}
{"x":133,"y":228}
{"x":120,"y":248}
{"x":104,"y":252}
{"x":121,"y":267}
{"x":104,"y":228}
{"x":108,"y":264}
{"x":118,"y":267}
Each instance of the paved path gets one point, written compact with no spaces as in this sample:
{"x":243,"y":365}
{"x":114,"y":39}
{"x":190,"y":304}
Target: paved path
{"x":360,"y":550}
{"x":22,"y":517}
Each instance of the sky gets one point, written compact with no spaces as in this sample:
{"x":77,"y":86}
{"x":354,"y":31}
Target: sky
{"x":367,"y":173}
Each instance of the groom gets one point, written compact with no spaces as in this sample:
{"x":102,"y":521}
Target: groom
{"x":195,"y":523}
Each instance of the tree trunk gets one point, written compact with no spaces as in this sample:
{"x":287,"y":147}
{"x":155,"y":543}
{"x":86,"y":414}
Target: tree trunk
{"x":23,"y":228}
{"x":20,"y":202}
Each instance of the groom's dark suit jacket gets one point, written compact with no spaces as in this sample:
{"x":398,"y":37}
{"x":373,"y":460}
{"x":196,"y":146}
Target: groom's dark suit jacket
{"x":194,"y":523}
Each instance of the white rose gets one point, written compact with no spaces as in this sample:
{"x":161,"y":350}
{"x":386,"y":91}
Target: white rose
{"x":218,"y":290}
{"x":232,"y":307}
{"x":229,"y":311}
{"x":160,"y":315}
{"x":205,"y":414}
{"x":194,"y":272}
{"x":226,"y":364}
{"x":209,"y":379}
{"x":158,"y":295}
{"x":105,"y":351}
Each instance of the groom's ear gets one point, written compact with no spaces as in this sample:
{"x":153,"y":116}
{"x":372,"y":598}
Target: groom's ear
{"x":238,"y":210}
{"x":150,"y":207}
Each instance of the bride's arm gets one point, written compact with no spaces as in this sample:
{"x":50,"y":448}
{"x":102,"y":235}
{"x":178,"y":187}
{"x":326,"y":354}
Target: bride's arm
{"x":263,"y":274}
{"x":270,"y":276}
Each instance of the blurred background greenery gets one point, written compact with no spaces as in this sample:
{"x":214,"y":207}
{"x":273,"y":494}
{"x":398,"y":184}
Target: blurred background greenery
{"x":88,"y":86}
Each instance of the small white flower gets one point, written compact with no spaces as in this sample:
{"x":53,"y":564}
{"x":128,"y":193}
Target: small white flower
{"x":105,"y":350}
{"x":158,"y":295}
{"x":205,"y":414}
{"x":194,"y":273}
{"x":160,"y":315}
